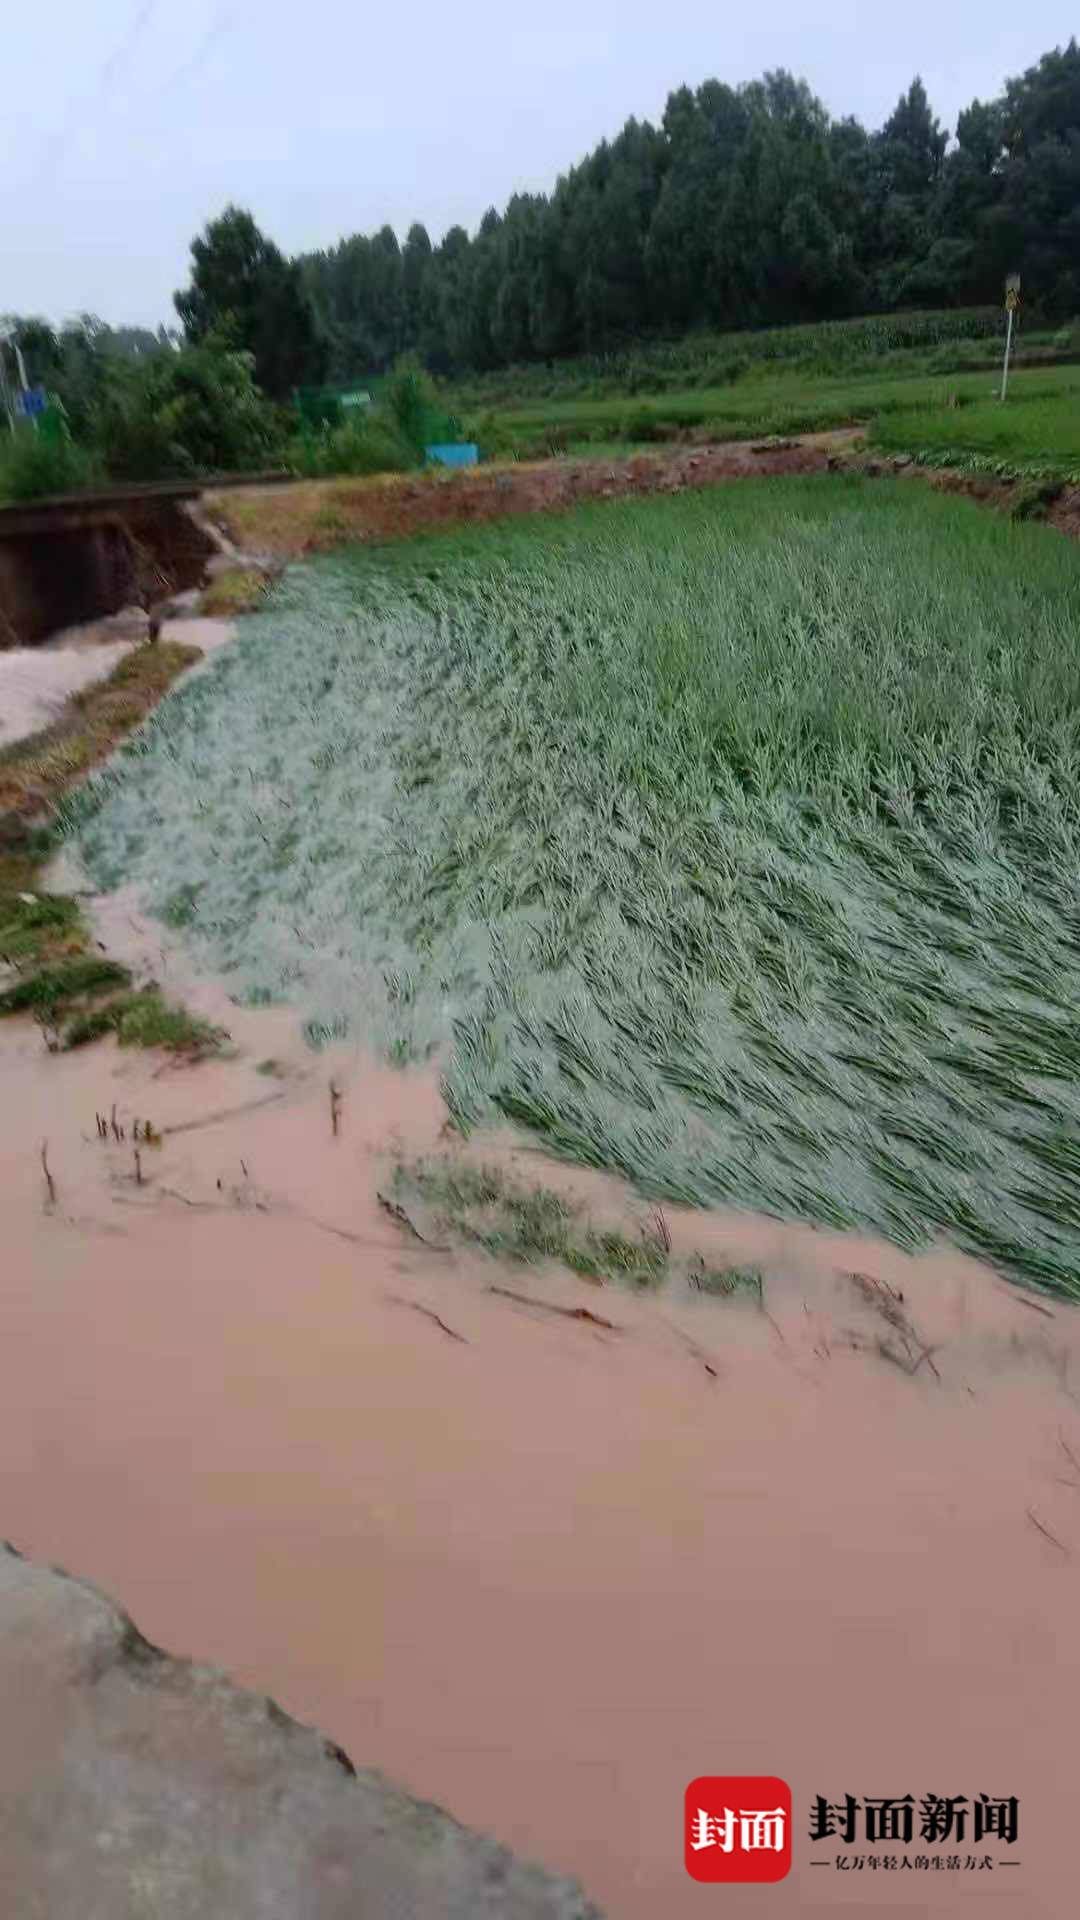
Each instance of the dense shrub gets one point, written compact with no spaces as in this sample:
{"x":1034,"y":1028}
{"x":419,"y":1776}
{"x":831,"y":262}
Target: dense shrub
{"x":371,"y":445}
{"x":643,"y":425}
{"x":33,"y":464}
{"x":197,"y":411}
{"x":494,"y":438}
{"x":412,"y":399}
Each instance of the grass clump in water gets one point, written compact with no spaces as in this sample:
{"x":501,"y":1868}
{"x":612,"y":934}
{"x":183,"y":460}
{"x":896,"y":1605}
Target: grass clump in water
{"x":52,"y":971}
{"x":145,"y":1019}
{"x":31,"y":923}
{"x":531,"y":1224}
{"x":47,"y":964}
{"x":723,"y":1281}
{"x":55,"y":984}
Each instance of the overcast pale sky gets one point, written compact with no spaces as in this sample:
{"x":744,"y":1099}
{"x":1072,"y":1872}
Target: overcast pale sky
{"x":128,"y":123}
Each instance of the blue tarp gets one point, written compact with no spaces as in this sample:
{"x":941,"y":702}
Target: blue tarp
{"x":450,"y":454}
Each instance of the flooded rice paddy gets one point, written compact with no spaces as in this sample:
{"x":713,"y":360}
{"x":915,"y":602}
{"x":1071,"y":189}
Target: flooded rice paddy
{"x":730,"y":842}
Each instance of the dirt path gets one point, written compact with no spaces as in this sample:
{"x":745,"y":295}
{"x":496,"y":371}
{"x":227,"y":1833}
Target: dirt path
{"x":544,"y":1572}
{"x":312,"y":515}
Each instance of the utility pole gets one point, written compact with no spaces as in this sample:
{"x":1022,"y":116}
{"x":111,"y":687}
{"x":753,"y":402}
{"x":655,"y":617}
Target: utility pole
{"x":5,"y":387}
{"x":1012,"y":301}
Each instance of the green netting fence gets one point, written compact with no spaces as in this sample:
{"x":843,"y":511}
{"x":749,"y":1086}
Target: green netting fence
{"x":333,"y":406}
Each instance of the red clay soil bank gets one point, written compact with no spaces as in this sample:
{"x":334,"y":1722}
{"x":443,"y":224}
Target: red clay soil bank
{"x":1064,"y":512}
{"x":529,"y":489}
{"x":990,"y":490}
{"x":315,"y":515}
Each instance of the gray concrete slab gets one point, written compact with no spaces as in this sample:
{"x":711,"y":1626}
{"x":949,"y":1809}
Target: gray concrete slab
{"x":136,"y":1786}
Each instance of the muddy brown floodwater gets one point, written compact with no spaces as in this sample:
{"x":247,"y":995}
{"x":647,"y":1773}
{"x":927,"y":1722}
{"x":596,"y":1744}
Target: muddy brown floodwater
{"x":36,"y":681}
{"x":545,"y":1573}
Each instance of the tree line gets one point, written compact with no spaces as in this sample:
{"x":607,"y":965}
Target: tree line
{"x":747,"y":206}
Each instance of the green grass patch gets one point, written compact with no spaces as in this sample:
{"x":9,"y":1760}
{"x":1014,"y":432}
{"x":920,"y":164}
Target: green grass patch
{"x":770,"y":401}
{"x":144,"y":1019}
{"x":54,"y":985}
{"x":1034,"y":427}
{"x":32,"y":924}
{"x":237,"y":591}
{"x":52,"y":971}
{"x":76,"y":999}
{"x":900,"y":343}
{"x":729,"y":841}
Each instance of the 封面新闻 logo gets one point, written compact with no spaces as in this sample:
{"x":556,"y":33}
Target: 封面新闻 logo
{"x":738,"y":1828}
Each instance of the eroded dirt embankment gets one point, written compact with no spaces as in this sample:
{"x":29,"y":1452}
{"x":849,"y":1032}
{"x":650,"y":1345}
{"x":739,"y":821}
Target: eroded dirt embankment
{"x":315,"y":514}
{"x":1059,"y":509}
{"x":541,"y":1569}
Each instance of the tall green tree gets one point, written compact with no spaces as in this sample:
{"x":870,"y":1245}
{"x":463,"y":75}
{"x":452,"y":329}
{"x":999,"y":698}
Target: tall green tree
{"x":415,"y":271}
{"x":244,"y":290}
{"x":747,"y":204}
{"x":911,"y":147}
{"x":1040,"y":200}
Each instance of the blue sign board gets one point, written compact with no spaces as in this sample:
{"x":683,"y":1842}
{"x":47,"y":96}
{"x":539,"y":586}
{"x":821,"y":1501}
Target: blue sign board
{"x":32,"y":400}
{"x":462,"y":454}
